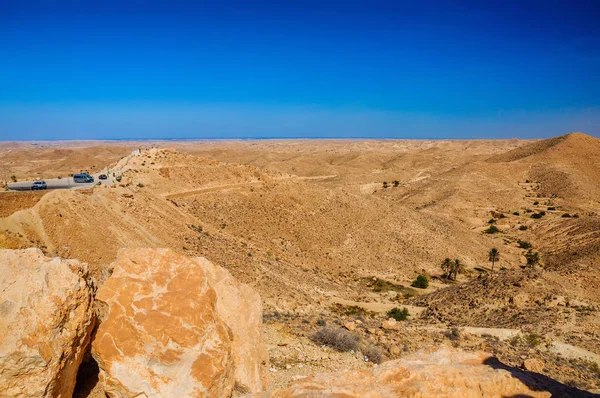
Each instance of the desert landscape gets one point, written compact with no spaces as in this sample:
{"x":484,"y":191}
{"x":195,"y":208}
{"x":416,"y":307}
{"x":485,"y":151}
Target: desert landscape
{"x":307,"y":267}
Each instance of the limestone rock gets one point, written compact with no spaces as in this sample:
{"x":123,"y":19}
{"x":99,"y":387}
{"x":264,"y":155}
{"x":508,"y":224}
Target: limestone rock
{"x":46,"y":321}
{"x":240,"y":307}
{"x":533,"y":365}
{"x":444,"y":372}
{"x":350,"y":325}
{"x":161,"y":335}
{"x":391,"y":324}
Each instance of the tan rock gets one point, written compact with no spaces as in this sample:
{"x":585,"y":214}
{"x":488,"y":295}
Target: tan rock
{"x":519,"y":300}
{"x":391,"y":324}
{"x":350,"y":325}
{"x":395,"y":350}
{"x":441,"y":373}
{"x":240,"y":307}
{"x":46,"y":320}
{"x":533,"y":365}
{"x":161,"y":335}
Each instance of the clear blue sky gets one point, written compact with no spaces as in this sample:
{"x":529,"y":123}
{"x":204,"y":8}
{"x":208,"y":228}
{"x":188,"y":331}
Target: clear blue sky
{"x":229,"y":69}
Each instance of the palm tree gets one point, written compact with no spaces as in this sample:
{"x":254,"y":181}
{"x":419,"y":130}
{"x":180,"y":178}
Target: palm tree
{"x":457,"y":268}
{"x":447,"y":267}
{"x":493,"y":256}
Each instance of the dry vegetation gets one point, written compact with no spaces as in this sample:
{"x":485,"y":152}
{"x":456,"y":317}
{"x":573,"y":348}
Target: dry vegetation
{"x":330,"y":247}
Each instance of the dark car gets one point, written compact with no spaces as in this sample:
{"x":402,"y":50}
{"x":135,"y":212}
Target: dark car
{"x":39,"y":185}
{"x":102,"y":177}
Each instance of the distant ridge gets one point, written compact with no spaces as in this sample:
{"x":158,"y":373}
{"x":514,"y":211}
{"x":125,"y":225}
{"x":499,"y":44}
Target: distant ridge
{"x":575,"y":142}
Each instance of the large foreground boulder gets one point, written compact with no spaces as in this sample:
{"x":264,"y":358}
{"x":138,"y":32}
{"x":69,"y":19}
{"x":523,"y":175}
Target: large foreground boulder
{"x":165,"y":331}
{"x":240,"y":307}
{"x":46,"y":321}
{"x":442,"y":373}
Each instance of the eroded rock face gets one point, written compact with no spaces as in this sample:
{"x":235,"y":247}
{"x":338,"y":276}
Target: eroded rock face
{"x":165,"y":331}
{"x":442,"y":373}
{"x":240,"y":307}
{"x":46,"y":321}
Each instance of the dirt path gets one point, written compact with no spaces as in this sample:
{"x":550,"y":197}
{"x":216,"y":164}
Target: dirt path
{"x":217,"y":188}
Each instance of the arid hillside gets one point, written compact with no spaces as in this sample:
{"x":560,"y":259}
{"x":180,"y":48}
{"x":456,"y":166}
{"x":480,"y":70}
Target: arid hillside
{"x":331,"y":232}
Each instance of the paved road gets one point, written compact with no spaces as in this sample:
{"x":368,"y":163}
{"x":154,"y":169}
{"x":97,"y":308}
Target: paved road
{"x":62,"y":183}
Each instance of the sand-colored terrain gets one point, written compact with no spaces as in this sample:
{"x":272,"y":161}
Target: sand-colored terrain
{"x":312,"y":227}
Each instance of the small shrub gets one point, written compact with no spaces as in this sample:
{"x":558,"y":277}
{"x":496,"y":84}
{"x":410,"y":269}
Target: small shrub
{"x":492,"y":221}
{"x":533,"y":340}
{"x":527,"y":181}
{"x":13,"y":178}
{"x":399,"y":314}
{"x":336,"y":338}
{"x":528,"y":211}
{"x":551,"y":208}
{"x":421,"y":282}
{"x":575,"y":215}
{"x":523,"y":228}
{"x":532,"y":257}
{"x":516,"y":213}
{"x":396,"y":183}
{"x":140,"y":185}
{"x":385,"y":184}
{"x":492,"y":230}
{"x":536,"y":203}
{"x":321,"y":322}
{"x":524,"y":244}
{"x":566,"y":215}
{"x":537,"y":215}
{"x":543,"y":213}
{"x":373,"y":353}
{"x":453,"y":334}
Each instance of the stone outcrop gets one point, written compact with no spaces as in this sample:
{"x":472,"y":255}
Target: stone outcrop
{"x":46,"y":321}
{"x":445,"y":372}
{"x":240,"y":307}
{"x":177,"y":327}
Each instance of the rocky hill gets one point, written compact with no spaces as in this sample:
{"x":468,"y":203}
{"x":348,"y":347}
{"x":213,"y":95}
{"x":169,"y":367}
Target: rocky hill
{"x":332,"y":235}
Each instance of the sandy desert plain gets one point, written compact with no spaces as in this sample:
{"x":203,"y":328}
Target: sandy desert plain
{"x":332,"y":234}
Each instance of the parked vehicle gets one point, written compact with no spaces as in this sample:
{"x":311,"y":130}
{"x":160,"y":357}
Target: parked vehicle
{"x":102,"y":177}
{"x":39,"y":185}
{"x":83,"y":178}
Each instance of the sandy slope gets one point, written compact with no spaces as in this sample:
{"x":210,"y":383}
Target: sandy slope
{"x":309,"y":224}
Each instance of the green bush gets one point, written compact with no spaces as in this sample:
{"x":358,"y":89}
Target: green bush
{"x":396,"y":183}
{"x":537,"y":215}
{"x":524,"y":244}
{"x":492,"y":221}
{"x":551,"y":208}
{"x":536,"y":203}
{"x":491,"y":230}
{"x":523,"y":228}
{"x":399,"y":314}
{"x":421,"y":282}
{"x":566,"y":215}
{"x":516,"y":213}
